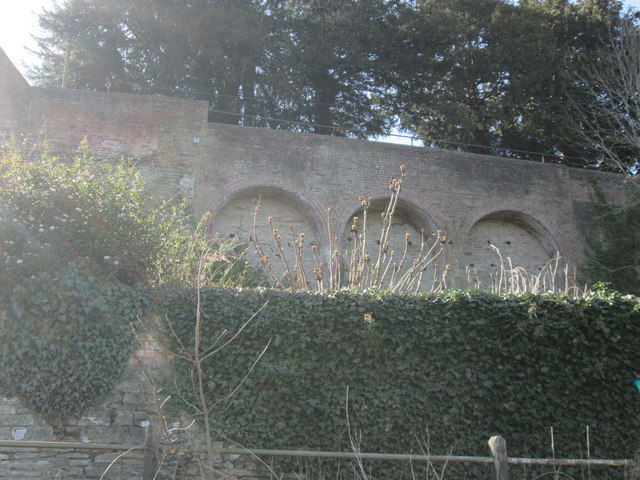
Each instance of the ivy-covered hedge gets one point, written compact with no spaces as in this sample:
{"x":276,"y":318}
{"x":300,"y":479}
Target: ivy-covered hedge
{"x":457,"y":367}
{"x":66,"y":339}
{"x":77,"y":239}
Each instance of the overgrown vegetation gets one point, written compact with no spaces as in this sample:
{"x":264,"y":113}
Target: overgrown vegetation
{"x":615,"y":255}
{"x":80,"y":242}
{"x":457,"y":366}
{"x":189,"y":256}
{"x":75,"y":245}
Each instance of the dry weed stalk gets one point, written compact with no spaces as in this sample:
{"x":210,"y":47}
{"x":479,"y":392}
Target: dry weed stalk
{"x":510,"y":279}
{"x":356,"y":268}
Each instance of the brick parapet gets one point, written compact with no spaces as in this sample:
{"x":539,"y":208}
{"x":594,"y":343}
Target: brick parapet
{"x":118,"y":124}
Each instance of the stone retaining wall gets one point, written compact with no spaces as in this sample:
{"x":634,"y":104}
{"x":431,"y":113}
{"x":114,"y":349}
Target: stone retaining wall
{"x":124,"y":418}
{"x":121,"y":419}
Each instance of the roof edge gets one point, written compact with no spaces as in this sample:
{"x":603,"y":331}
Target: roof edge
{"x":9,"y":73}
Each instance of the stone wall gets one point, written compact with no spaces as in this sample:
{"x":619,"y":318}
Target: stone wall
{"x":121,"y":419}
{"x":125,"y":418}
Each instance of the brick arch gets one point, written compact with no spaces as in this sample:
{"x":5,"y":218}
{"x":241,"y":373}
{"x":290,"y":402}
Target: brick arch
{"x":524,"y":211}
{"x":410,"y":217}
{"x":426,"y":214}
{"x":301,"y":201}
{"x":529,"y":242}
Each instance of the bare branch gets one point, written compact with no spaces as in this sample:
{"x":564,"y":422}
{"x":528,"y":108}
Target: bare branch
{"x":607,"y":105}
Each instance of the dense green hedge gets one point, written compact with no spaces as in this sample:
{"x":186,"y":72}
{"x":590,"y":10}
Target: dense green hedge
{"x":66,"y":339}
{"x":76,"y":239}
{"x":461,"y":365}
{"x":80,"y":242}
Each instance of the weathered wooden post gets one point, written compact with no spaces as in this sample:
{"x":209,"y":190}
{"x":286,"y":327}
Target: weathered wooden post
{"x":151,"y":446}
{"x":500,"y":467}
{"x":634,"y":474}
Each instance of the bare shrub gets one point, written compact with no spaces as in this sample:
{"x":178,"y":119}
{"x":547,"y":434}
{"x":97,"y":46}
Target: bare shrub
{"x":509,"y":279}
{"x":362,"y":266}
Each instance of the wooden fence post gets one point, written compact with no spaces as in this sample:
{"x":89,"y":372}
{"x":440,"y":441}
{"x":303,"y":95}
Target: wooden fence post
{"x":500,"y":467}
{"x":635,"y":469}
{"x":151,"y":448}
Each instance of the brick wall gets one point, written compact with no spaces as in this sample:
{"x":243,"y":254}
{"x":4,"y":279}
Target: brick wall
{"x":536,"y":208}
{"x":528,"y":210}
{"x":114,"y":124}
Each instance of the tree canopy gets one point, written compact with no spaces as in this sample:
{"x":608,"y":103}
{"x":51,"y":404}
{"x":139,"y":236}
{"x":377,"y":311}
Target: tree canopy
{"x":607,"y":103}
{"x":491,"y":76}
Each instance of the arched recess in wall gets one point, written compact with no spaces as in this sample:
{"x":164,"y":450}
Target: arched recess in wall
{"x":518,"y":238}
{"x":408,"y":218}
{"x":289,"y":211}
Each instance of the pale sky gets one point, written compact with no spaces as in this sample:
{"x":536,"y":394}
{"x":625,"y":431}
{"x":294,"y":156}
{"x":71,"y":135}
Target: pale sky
{"x":19,"y":20}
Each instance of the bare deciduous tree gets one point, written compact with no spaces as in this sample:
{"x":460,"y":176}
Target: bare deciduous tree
{"x":607,"y":119}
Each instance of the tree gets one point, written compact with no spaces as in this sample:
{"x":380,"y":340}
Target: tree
{"x":254,"y":60}
{"x":322,"y":72}
{"x":489,"y":75}
{"x":607,"y":123}
{"x":607,"y":114}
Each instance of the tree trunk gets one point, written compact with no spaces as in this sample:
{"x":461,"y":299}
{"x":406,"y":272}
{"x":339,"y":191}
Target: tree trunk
{"x":324,"y":101}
